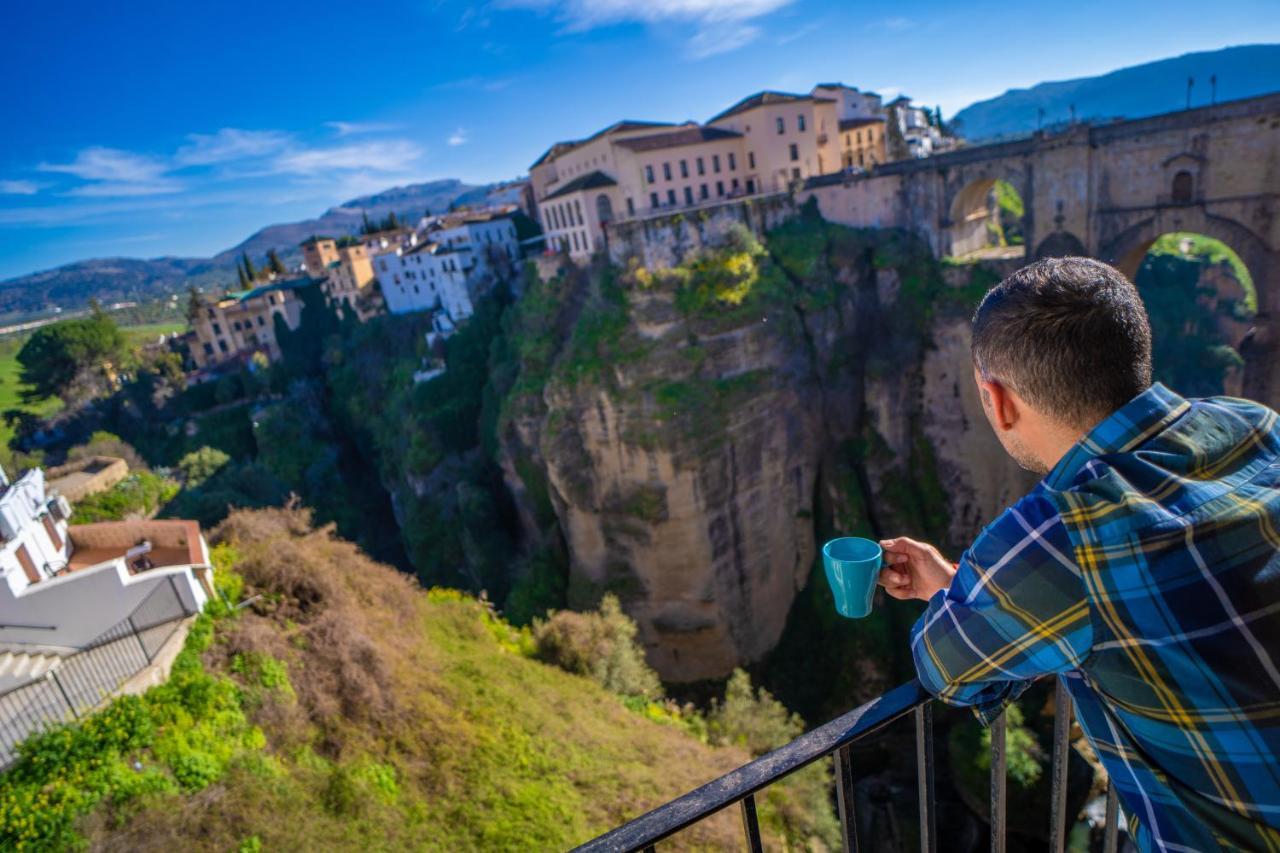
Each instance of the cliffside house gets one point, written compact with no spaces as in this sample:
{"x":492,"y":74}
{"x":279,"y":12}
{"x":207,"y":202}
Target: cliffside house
{"x":454,"y":259}
{"x":241,"y":324}
{"x":763,"y":144}
{"x":85,"y":609}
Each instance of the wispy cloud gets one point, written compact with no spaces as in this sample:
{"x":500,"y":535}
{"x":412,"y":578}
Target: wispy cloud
{"x":228,"y":145}
{"x":20,"y":187}
{"x":112,"y":172}
{"x":458,"y":137}
{"x":719,"y":25}
{"x":483,"y":84}
{"x":353,"y":128}
{"x":897,"y":24}
{"x":378,"y":156}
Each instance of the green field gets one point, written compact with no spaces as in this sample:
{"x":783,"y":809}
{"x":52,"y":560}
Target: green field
{"x":11,"y":386}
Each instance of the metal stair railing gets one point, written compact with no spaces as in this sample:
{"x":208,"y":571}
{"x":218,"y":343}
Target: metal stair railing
{"x":834,"y":740}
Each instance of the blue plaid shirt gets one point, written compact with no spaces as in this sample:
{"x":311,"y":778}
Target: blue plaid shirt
{"x":1144,"y":570}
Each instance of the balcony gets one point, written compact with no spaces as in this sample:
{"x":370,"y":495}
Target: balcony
{"x":833,"y":741}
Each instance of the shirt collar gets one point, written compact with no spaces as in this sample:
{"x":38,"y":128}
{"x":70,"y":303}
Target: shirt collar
{"x":1124,"y":429}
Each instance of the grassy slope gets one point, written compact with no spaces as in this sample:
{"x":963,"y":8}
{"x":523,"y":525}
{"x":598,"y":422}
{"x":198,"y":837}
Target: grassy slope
{"x":477,"y":746}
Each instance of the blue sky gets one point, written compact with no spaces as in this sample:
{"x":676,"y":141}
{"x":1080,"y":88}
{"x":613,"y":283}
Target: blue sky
{"x":159,"y":128}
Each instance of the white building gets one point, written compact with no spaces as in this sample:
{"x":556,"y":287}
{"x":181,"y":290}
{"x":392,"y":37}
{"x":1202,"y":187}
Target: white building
{"x":62,"y":586}
{"x":455,"y":259}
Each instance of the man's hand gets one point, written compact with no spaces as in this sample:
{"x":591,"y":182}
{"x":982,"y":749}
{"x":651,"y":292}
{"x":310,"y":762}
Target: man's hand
{"x":913,"y":569}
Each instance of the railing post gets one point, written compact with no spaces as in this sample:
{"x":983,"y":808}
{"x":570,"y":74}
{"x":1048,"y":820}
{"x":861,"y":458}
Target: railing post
{"x":924,"y":778}
{"x":998,"y":783}
{"x":138,"y":636}
{"x":1111,"y":825}
{"x":751,"y":824}
{"x":844,"y":798}
{"x":1061,"y":755}
{"x":53,"y":676}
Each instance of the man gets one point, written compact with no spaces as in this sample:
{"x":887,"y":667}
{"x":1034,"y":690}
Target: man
{"x":1143,"y":570}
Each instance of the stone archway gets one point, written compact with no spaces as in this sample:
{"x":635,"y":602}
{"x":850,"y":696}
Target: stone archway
{"x":977,"y":215}
{"x":1061,"y":244}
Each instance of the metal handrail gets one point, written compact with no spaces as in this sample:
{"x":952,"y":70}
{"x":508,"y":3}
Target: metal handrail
{"x":835,"y":739}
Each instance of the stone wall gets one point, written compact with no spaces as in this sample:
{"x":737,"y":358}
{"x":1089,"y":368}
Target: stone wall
{"x":660,"y":242}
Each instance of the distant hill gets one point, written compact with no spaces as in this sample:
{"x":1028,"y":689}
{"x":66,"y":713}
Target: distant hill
{"x":1140,"y":90}
{"x":122,"y":279}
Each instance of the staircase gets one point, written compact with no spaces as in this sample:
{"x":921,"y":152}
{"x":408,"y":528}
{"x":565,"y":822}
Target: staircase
{"x":20,"y":667}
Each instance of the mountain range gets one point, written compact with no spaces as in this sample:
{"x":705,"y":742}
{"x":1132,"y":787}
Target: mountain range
{"x":124,"y":279}
{"x":1133,"y":92}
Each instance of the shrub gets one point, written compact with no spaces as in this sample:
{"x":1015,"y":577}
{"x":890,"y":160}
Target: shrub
{"x":751,"y":718}
{"x":601,"y":645}
{"x":199,"y":465}
{"x":138,"y":495}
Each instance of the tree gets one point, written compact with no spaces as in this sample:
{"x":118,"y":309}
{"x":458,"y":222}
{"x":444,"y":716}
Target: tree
{"x":392,"y":223}
{"x":275,"y":264}
{"x":56,"y":358}
{"x":244,"y":280}
{"x":366,"y":227}
{"x":195,"y":303}
{"x":937,"y":120}
{"x":249,"y":271}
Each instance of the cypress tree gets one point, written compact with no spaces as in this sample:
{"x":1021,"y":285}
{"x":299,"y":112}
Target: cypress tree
{"x":392,"y":224}
{"x":244,"y":281}
{"x":274,"y":263}
{"x":366,"y":227}
{"x":249,"y":271}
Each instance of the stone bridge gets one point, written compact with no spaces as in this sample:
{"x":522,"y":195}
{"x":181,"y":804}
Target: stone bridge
{"x":1107,"y":191}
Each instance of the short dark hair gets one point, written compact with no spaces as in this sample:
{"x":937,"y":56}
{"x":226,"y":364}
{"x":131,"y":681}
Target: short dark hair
{"x":1068,"y":335}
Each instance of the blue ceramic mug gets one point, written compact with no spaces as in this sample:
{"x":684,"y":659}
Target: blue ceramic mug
{"x":853,"y":566}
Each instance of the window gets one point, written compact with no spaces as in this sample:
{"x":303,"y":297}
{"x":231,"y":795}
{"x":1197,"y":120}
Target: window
{"x":684,"y":168}
{"x":1182,"y":188}
{"x":702,"y":167}
{"x":734,"y":185}
{"x":688,"y":195}
{"x":208,"y":349}
{"x":415,"y":288}
{"x":217,"y":330}
{"x":261,"y":322}
{"x":751,"y":159}
{"x":702,"y":191}
{"x":733,"y":162}
{"x":666,"y":171}
{"x":577,"y":207}
{"x":28,"y":565}
{"x":653,"y":199}
{"x":751,"y":186}
{"x":847,"y":143}
{"x":671,"y":196}
{"x":236,"y":325}
{"x":800,"y":123}
{"x":648,"y":174}
{"x":795,"y":173}
{"x":719,"y":189}
{"x":575,"y":241}
{"x":222,"y":345}
{"x":795,"y":152}
{"x":859,"y":135}
{"x":631,"y":207}
{"x":782,"y":125}
{"x":715,"y":163}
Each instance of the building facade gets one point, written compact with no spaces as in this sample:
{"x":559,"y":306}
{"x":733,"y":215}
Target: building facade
{"x":766,"y":143}
{"x":243,"y":323}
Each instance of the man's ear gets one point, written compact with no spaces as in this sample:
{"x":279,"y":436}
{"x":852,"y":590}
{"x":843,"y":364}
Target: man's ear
{"x":1004,"y":404}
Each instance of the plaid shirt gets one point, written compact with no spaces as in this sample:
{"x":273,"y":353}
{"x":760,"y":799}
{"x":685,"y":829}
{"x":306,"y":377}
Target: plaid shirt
{"x":1144,"y":570}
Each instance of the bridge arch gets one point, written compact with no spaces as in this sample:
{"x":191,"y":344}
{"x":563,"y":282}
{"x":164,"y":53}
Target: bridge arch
{"x":988,"y":210}
{"x":1061,"y":244}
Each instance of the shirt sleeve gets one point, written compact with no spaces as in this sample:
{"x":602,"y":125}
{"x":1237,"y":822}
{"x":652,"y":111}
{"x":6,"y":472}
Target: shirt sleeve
{"x":1016,"y":610}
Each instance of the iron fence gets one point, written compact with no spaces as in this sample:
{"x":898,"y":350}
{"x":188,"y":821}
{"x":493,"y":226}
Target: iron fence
{"x":80,"y":681}
{"x":835,"y":740}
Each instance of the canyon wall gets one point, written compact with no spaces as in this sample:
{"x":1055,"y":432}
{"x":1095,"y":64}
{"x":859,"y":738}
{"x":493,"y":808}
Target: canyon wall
{"x":689,"y":431}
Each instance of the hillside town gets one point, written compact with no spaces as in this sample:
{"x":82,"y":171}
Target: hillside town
{"x":766,"y":145}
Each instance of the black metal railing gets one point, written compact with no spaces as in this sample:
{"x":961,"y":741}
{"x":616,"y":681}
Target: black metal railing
{"x":81,"y":680}
{"x":835,"y":740}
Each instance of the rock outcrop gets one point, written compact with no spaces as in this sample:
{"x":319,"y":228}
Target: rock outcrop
{"x":686,"y":431}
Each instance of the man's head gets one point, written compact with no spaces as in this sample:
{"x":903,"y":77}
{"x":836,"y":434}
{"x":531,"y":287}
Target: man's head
{"x":1057,"y":347}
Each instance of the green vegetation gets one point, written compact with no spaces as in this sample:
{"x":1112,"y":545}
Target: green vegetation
{"x":58,"y":357}
{"x":138,"y":495}
{"x":1200,"y":297}
{"x":346,"y":709}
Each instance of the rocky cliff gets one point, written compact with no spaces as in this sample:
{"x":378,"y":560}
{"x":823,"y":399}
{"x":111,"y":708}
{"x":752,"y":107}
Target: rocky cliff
{"x":687,"y":431}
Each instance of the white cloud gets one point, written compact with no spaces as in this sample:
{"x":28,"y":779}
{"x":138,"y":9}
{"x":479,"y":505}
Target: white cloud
{"x":720,"y":25}
{"x":20,"y":187}
{"x":352,"y":128}
{"x":109,"y":189}
{"x":458,"y":137}
{"x":382,"y":156}
{"x":228,"y":145}
{"x":110,"y":164}
{"x":897,"y":24}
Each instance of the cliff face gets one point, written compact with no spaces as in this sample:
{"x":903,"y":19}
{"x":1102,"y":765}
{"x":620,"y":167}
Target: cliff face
{"x":686,"y":431}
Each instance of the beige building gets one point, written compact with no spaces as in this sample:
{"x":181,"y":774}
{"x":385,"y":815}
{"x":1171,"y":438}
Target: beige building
{"x":346,"y":271}
{"x":317,"y":254}
{"x":241,"y":324}
{"x":766,"y":143}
